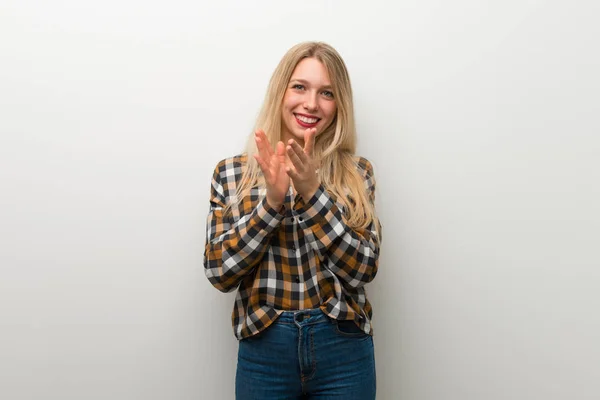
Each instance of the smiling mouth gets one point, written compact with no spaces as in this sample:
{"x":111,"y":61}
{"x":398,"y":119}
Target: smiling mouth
{"x":306,"y":121}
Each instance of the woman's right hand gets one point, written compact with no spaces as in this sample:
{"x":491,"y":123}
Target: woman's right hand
{"x":272,"y":165}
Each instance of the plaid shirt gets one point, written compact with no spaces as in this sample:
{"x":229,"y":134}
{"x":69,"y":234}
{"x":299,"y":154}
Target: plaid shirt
{"x":300,"y":257}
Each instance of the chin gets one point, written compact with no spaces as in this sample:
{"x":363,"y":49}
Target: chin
{"x":299,"y":133}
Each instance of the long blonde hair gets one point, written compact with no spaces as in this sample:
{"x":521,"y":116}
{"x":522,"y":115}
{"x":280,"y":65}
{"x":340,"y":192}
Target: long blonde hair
{"x":334,"y":147}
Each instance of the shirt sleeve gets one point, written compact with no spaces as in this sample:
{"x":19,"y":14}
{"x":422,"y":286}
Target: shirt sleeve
{"x":233,"y":249}
{"x":352,"y":254}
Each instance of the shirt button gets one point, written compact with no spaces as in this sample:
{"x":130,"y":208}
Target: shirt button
{"x":297,"y":279}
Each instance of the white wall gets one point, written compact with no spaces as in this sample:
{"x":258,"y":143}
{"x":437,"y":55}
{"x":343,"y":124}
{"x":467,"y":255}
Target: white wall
{"x":481,"y":119}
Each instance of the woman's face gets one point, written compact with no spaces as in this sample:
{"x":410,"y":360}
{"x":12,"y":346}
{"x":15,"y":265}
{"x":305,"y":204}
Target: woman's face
{"x":308,"y":101}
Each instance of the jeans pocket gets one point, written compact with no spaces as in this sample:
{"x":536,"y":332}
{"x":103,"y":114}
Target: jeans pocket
{"x":348,"y":328}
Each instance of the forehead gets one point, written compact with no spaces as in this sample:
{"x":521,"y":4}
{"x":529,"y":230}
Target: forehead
{"x":313,"y":71}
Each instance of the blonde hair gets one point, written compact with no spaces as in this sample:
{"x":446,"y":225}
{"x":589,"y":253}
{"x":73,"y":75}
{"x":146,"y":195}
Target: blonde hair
{"x":334,"y":147}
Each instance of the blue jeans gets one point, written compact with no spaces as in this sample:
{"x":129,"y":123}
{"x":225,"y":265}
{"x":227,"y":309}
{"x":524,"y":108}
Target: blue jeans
{"x":306,"y":355}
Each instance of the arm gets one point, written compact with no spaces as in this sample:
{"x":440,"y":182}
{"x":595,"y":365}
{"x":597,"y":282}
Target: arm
{"x":233,"y":250}
{"x":353,"y":253}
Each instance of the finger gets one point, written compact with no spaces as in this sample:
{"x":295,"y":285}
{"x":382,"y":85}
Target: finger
{"x":309,"y":140}
{"x":263,"y":166}
{"x":280,"y":152}
{"x":265,"y":139}
{"x":294,"y":158}
{"x":292,"y":173}
{"x":260,"y":146}
{"x":298,"y":150}
{"x":275,"y":163}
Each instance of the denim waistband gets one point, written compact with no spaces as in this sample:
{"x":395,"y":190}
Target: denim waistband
{"x":313,"y":315}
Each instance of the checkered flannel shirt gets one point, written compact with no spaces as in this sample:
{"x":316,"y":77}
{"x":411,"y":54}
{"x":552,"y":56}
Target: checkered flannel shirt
{"x":300,"y":257}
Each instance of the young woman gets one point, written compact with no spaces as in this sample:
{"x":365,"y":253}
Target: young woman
{"x":292,"y":227}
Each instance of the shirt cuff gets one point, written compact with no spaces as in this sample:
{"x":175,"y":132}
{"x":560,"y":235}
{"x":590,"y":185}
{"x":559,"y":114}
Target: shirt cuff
{"x":269,"y":214}
{"x":315,"y":211}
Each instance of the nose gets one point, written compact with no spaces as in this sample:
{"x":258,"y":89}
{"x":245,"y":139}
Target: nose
{"x":311,"y":103}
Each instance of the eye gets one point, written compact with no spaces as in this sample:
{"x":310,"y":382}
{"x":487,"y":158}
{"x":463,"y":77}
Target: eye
{"x":327,"y":93}
{"x":298,"y":86}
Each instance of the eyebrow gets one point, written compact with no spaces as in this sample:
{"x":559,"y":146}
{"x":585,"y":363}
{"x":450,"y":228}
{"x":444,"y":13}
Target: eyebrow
{"x":305,"y":82}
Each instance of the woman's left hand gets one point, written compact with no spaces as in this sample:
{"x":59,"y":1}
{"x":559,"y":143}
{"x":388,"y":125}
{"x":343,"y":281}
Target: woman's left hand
{"x":304,"y":170}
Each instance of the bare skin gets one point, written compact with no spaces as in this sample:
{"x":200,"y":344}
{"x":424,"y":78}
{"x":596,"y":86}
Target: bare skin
{"x":298,"y":169}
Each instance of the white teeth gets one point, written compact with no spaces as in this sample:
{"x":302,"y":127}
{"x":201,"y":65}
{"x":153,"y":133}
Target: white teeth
{"x":307,"y":120}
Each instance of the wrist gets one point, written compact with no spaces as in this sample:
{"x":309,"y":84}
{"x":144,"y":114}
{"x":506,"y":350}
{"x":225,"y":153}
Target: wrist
{"x":309,"y":194}
{"x":274,"y":204}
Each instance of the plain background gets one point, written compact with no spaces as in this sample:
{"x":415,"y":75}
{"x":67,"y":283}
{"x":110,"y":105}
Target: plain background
{"x":481,"y":120}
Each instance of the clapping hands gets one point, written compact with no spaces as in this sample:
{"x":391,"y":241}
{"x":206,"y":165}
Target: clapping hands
{"x":277,"y":172}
